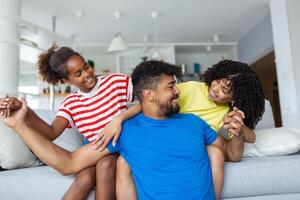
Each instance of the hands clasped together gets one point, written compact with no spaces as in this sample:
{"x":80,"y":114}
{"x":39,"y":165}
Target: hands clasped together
{"x":233,"y":122}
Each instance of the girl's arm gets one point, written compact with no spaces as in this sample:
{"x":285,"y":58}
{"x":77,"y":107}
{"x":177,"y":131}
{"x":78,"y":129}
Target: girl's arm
{"x":51,"y":132}
{"x":113,"y":128}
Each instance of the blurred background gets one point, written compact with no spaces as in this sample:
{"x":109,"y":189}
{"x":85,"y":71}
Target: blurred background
{"x":116,"y":35}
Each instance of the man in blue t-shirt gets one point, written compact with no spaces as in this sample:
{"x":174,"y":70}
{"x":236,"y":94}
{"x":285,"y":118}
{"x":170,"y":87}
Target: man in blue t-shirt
{"x":166,"y":151}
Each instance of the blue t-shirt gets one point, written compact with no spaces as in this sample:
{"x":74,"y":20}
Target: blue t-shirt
{"x":168,"y":158}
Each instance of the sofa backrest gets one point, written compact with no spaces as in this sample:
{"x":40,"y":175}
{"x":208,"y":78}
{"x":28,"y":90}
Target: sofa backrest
{"x":267,"y":120}
{"x":71,"y":139}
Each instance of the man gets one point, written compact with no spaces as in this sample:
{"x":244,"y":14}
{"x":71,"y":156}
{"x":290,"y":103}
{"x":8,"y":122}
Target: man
{"x":166,"y":151}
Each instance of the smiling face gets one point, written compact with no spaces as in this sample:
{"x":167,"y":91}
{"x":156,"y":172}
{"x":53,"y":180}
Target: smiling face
{"x":80,"y":74}
{"x":220,"y":91}
{"x":166,"y":95}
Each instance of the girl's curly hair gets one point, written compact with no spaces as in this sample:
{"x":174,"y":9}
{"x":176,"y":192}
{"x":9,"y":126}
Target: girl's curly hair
{"x":51,"y":64}
{"x":247,"y":91}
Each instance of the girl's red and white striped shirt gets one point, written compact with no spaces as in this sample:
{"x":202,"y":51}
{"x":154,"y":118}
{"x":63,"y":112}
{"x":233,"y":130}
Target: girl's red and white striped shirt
{"x":90,"y":112}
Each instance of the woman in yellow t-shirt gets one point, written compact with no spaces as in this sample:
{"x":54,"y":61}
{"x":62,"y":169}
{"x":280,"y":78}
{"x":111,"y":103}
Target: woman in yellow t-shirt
{"x":226,"y":84}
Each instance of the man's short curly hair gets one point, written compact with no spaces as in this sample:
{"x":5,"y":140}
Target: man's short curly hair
{"x":149,"y":73}
{"x":247,"y":91}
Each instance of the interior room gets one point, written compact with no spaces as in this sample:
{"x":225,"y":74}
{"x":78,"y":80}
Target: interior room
{"x":114,"y":36}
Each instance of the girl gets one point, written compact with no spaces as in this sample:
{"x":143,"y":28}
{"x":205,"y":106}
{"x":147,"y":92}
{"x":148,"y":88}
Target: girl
{"x":98,"y":101}
{"x":227,"y":85}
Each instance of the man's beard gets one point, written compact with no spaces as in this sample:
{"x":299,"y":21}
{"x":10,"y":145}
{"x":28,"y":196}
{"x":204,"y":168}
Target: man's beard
{"x":168,"y":109}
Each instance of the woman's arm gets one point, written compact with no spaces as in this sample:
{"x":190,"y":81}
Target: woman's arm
{"x":249,"y":135}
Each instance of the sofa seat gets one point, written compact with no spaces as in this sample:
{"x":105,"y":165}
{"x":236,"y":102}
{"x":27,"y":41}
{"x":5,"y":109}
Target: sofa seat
{"x":254,"y":178}
{"x":263,"y":177}
{"x":34,"y":183}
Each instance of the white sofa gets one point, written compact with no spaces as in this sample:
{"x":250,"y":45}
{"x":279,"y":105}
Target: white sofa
{"x":264,"y":178}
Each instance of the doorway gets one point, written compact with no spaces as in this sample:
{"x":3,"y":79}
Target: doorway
{"x":265,"y":68}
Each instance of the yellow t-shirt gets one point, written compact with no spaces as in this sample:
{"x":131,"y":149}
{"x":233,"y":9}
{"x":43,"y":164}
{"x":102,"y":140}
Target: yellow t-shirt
{"x":193,"y":98}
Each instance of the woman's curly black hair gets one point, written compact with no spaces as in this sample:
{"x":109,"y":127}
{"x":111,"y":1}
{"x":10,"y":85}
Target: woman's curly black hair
{"x":51,"y":64}
{"x":247,"y":91}
{"x":148,"y":74}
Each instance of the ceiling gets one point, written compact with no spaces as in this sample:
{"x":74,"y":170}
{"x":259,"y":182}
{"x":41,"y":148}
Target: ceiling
{"x":180,"y":21}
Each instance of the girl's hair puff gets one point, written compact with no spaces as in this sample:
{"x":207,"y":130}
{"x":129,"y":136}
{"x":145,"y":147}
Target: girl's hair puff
{"x":51,"y":64}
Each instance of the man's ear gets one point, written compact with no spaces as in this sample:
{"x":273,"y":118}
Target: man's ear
{"x":66,"y":81}
{"x":148,"y":95}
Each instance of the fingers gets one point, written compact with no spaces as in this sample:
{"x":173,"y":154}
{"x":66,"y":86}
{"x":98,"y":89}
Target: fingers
{"x":116,"y":138}
{"x":237,"y":113}
{"x":238,"y":119}
{"x":234,"y":118}
{"x":3,"y":112}
{"x":8,"y":111}
{"x":98,"y":139}
{"x":106,"y":141}
{"x":103,"y":139}
{"x":233,"y":132}
{"x":102,"y":142}
{"x":9,"y":104}
{"x":233,"y":128}
{"x":4,"y":103}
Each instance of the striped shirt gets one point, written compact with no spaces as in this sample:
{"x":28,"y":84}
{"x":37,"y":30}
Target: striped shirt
{"x":90,"y":112}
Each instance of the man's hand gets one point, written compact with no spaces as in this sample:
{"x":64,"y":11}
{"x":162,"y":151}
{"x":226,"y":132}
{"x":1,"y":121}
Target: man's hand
{"x":16,"y":119}
{"x":111,"y":130}
{"x":233,"y":122}
{"x":9,"y":104}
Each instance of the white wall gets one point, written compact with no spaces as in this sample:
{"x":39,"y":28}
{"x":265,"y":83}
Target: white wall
{"x":257,"y":42}
{"x":293,"y":7}
{"x":204,"y":59}
{"x":128,"y":59}
{"x":103,"y":62}
{"x":285,"y":24}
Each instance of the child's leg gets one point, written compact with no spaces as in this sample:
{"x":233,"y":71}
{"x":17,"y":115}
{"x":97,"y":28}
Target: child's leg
{"x":106,"y":178}
{"x":234,"y":149}
{"x":216,"y":157}
{"x":125,"y":185}
{"x":83,"y":184}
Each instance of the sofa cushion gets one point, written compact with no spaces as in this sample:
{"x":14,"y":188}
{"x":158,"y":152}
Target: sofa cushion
{"x":262,"y":176}
{"x":14,"y":153}
{"x":274,"y":142}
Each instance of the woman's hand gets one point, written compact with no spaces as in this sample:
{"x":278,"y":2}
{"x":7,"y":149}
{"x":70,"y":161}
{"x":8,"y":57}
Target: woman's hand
{"x":111,"y":130}
{"x":233,"y":122}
